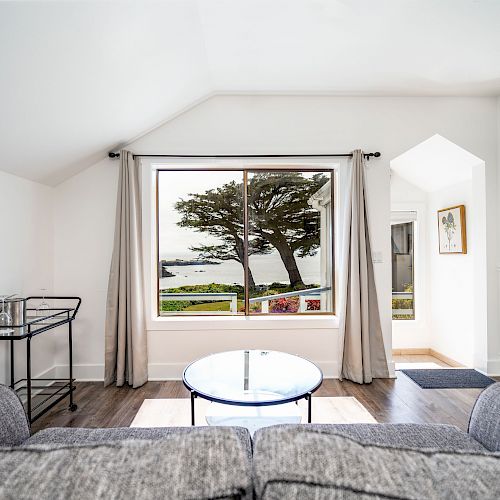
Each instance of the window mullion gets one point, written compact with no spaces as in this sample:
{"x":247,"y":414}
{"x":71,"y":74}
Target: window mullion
{"x":245,"y":243}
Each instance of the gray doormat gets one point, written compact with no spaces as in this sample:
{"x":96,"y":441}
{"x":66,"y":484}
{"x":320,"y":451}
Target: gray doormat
{"x":449,"y":378}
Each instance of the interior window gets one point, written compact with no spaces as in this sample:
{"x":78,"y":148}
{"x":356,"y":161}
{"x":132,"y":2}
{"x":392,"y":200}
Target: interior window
{"x":403,"y":265}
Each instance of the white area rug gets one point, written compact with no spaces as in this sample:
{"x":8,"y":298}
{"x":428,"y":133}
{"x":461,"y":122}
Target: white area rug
{"x":177,"y":412}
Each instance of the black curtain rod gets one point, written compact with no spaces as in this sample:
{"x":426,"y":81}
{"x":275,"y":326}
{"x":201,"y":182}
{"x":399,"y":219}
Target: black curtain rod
{"x":367,"y":156}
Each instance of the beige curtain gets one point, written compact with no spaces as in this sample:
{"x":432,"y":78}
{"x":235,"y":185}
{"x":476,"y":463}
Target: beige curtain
{"x":125,"y":328}
{"x":362,"y":353}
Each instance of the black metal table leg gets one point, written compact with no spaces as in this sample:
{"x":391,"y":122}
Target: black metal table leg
{"x":28,"y":377}
{"x":309,"y":407}
{"x":72,"y":405}
{"x":12,"y":370}
{"x":193,"y":396}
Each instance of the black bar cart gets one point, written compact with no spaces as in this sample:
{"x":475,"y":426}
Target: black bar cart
{"x":39,"y":395}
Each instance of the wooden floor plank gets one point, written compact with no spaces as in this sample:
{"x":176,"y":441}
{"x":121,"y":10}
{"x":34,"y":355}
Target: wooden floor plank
{"x":388,"y":400}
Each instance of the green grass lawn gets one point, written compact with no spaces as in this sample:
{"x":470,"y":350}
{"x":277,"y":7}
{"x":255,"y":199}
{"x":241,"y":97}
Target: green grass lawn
{"x":213,"y":306}
{"x":219,"y":306}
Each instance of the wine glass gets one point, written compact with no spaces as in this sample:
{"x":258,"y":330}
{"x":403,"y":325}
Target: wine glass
{"x":44,"y":305}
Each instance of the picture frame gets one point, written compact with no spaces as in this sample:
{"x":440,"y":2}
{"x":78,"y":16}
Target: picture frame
{"x":452,"y":233}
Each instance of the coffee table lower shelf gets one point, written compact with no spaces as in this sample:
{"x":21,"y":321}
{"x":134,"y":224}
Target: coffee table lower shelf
{"x":253,"y":417}
{"x":226,"y":412}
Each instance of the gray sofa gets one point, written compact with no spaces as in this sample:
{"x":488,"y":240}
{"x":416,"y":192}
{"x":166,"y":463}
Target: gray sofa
{"x":289,"y":461}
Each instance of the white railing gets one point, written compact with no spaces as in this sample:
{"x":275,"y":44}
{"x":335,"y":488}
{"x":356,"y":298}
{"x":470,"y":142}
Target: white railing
{"x":311,"y":294}
{"x":233,"y":297}
{"x":304,"y":296}
{"x":403,"y":312}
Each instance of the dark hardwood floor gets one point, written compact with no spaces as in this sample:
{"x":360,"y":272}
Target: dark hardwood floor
{"x":399,"y":400}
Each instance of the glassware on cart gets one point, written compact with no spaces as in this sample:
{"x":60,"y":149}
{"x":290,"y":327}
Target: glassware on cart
{"x":5,"y":317}
{"x":44,"y":306}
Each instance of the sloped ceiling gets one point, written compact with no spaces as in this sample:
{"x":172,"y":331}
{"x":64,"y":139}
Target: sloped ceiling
{"x":80,"y":78}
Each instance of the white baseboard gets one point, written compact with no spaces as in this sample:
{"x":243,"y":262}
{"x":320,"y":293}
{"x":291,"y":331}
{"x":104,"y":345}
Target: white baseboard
{"x":165,"y":371}
{"x":48,"y":373}
{"x":158,"y":371}
{"x":494,"y":368}
{"x":171,"y":371}
{"x":82,"y":373}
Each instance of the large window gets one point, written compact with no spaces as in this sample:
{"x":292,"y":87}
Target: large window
{"x":403,"y":265}
{"x":245,"y":242}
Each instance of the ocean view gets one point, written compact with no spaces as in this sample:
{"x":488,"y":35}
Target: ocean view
{"x":201,"y":224}
{"x":266,"y":269}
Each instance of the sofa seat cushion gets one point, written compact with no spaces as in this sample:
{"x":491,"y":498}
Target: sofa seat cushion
{"x":204,"y":463}
{"x":70,"y":436}
{"x":298,"y":463}
{"x":484,"y":425}
{"x":443,"y":437}
{"x":14,"y":425}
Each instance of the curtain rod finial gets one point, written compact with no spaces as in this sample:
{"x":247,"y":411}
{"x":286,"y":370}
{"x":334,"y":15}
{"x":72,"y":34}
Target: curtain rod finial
{"x":113,"y":155}
{"x":377,"y":154}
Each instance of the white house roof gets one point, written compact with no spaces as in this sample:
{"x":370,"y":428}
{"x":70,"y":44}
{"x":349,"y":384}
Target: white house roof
{"x":322,"y":197}
{"x":79,"y":78}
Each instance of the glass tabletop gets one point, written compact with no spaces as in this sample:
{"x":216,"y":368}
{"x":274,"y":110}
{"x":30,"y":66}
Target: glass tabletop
{"x":253,"y":377}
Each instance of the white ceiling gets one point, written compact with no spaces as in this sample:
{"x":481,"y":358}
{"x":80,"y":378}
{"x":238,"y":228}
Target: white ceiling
{"x":79,"y":78}
{"x":435,"y":163}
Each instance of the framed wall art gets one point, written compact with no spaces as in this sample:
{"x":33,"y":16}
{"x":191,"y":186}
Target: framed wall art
{"x":451,"y":230}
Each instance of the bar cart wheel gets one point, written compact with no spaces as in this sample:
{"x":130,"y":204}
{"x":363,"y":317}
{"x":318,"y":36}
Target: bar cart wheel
{"x":73,"y":407}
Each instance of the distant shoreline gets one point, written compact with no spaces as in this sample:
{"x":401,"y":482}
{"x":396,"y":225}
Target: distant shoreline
{"x":266,"y":269}
{"x":194,"y":262}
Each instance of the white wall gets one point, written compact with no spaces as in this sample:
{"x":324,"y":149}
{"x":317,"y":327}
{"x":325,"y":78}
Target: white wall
{"x":451,"y":280}
{"x":494,"y":338}
{"x":26,"y":261}
{"x":403,"y":192}
{"x":84,"y":220}
{"x":260,"y":125}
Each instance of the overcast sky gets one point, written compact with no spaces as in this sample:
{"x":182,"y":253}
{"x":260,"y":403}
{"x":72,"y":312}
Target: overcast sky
{"x":173,"y":186}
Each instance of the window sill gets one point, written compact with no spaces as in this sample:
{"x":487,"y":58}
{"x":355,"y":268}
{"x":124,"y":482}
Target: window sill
{"x":177,"y":323}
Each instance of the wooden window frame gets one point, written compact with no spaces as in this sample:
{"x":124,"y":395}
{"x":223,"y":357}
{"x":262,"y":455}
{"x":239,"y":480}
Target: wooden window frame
{"x":245,"y":171}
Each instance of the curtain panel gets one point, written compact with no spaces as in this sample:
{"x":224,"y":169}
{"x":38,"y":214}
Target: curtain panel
{"x":125,"y":328}
{"x":361,"y":351}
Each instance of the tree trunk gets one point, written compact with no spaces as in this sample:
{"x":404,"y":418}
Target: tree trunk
{"x":240,"y":252}
{"x":251,"y":282}
{"x":288,"y":258}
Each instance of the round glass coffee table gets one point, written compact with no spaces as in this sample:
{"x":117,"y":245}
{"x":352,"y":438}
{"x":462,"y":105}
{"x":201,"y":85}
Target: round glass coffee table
{"x":252,"y":379}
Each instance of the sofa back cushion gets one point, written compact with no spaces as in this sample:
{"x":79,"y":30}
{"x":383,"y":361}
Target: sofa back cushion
{"x":207,"y":463}
{"x":296,"y":463}
{"x":84,"y":435}
{"x":484,"y":425}
{"x":14,"y":426}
